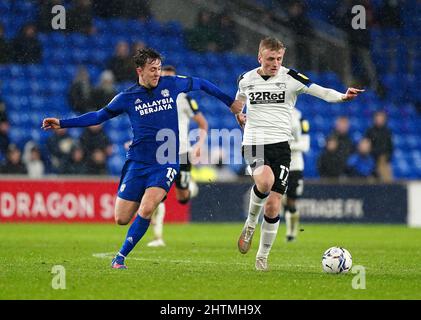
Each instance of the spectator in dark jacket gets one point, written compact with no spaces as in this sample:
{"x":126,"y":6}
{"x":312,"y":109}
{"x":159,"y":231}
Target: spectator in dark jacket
{"x":80,"y":95}
{"x":4,"y":129}
{"x":45,"y":15}
{"x":382,"y":146}
{"x":97,"y":148}
{"x":121,"y":64}
{"x":13,"y":163}
{"x":59,"y":146}
{"x":345,"y":144}
{"x":105,"y":91}
{"x":361,"y":163}
{"x":204,"y":36}
{"x":328,"y":161}
{"x":76,"y":163}
{"x":80,"y":17}
{"x":228,"y":37}
{"x":300,"y":25}
{"x":5,"y":48}
{"x":27,"y":48}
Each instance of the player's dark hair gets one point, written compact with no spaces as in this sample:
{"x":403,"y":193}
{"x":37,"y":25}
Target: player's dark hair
{"x":169,"y":68}
{"x":271,"y":43}
{"x":146,"y":55}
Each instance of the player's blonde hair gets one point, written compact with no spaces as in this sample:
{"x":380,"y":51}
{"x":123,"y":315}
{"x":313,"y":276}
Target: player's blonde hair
{"x":271,"y":43}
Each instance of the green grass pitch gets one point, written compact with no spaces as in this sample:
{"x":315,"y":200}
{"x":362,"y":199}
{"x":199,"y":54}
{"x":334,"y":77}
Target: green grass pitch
{"x":201,"y":261}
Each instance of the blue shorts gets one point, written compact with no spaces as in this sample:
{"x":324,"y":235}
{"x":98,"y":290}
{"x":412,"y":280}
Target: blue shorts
{"x":137,"y":177}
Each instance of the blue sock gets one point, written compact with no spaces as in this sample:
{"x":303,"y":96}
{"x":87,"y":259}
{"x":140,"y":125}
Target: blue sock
{"x":135,"y":233}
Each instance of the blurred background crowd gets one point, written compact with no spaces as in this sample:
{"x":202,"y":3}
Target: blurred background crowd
{"x":62,"y":73}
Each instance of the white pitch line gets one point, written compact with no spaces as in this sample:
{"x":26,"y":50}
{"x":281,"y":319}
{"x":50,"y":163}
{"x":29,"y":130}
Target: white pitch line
{"x":108,"y":255}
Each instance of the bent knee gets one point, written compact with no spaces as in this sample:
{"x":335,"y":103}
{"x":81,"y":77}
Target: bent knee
{"x":121,"y":221}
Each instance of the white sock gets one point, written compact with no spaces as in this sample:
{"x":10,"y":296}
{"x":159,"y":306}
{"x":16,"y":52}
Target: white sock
{"x":267,"y":237}
{"x":255,"y":207}
{"x":292,"y":222}
{"x":193,"y":188}
{"x":159,"y":215}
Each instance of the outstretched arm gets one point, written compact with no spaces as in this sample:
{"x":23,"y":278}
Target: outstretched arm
{"x":331,"y":95}
{"x":205,"y":85}
{"x":113,"y":109}
{"x":85,"y":120}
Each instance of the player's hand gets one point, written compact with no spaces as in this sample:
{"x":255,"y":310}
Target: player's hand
{"x":351,"y":93}
{"x":236,"y":107}
{"x":241,"y":119}
{"x":50,"y":123}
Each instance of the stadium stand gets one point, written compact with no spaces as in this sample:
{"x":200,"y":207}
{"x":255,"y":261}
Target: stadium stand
{"x":34,"y":91}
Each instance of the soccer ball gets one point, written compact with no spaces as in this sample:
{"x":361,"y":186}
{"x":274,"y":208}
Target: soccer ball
{"x":336,"y":260}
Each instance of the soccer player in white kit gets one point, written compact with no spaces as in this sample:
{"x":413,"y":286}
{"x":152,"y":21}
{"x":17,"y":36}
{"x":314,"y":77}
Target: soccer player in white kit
{"x":186,"y":188}
{"x":299,"y":145}
{"x":270,"y":93}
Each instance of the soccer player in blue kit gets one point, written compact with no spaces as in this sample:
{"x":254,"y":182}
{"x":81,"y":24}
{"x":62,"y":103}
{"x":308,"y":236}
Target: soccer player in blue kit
{"x":147,"y":174}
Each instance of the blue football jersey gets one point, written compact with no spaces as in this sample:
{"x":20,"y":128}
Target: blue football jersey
{"x":151,"y":110}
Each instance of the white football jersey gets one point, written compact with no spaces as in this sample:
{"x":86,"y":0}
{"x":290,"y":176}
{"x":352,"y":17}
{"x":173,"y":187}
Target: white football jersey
{"x":300,"y":142}
{"x":187,"y":108}
{"x":269,"y":104}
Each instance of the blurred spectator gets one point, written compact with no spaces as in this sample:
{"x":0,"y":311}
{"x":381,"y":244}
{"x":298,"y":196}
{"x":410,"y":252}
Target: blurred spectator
{"x":136,"y":9}
{"x":390,"y":15}
{"x":361,"y":163}
{"x":4,"y":129}
{"x":204,"y":36}
{"x":328,"y":161}
{"x":299,"y":24}
{"x":359,"y":44}
{"x":80,"y":94}
{"x":136,"y":46}
{"x":121,"y":64}
{"x":97,"y":162}
{"x":228,"y":38}
{"x":76,"y":163}
{"x":45,"y":15}
{"x":5,"y":48}
{"x":345,"y":144}
{"x":26,"y":46}
{"x":105,"y":91}
{"x":97,"y":148}
{"x":59,"y":146}
{"x":13,"y":163}
{"x":32,"y":160}
{"x":382,"y":146}
{"x":80,"y":17}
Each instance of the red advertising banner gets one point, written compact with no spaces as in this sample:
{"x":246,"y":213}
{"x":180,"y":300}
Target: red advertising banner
{"x":69,"y":201}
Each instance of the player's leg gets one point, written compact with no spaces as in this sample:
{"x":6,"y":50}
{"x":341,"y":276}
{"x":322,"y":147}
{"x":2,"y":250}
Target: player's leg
{"x":279,"y":157}
{"x":292,"y":216}
{"x":263,"y":180}
{"x":150,"y":200}
{"x":269,"y":229}
{"x":186,"y":188}
{"x":157,"y":222}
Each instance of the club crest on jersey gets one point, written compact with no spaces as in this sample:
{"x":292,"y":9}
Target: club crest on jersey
{"x":138,"y":101}
{"x":165,"y":93}
{"x":281,"y":85}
